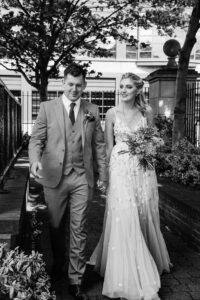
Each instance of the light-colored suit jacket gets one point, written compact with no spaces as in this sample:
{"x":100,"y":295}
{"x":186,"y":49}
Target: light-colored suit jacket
{"x":47,"y":142}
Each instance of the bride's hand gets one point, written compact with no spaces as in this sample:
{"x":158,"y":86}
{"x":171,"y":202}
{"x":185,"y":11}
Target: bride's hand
{"x":102,"y":185}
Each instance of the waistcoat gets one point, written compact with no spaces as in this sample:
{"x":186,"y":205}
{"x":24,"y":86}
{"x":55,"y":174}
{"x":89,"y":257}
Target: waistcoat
{"x":73,"y":144}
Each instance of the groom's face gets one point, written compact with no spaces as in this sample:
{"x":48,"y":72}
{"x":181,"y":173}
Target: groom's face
{"x":74,"y":86}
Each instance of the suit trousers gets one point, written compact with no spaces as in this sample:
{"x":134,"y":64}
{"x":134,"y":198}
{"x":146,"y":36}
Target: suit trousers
{"x":73,"y":190}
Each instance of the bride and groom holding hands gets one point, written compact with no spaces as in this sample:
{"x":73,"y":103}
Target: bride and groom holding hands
{"x":66,"y":141}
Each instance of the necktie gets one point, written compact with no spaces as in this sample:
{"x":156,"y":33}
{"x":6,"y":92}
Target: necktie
{"x":71,"y":113}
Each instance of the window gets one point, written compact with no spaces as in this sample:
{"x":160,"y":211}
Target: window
{"x":35,"y":104}
{"x":109,"y":46}
{"x":52,"y":95}
{"x":197,"y":55}
{"x":131,"y":52}
{"x":17,"y":94}
{"x":103,"y":99}
{"x":36,"y":101}
{"x":192,"y":56}
{"x":112,"y":52}
{"x":145,"y":50}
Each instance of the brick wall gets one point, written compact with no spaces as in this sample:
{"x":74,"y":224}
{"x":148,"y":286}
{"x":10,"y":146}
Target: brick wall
{"x":181,"y":218}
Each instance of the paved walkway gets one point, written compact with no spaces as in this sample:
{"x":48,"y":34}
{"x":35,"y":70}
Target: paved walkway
{"x":183,"y":283}
{"x":12,"y":199}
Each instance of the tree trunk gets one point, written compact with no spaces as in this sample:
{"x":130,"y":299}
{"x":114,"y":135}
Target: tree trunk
{"x":181,"y":80}
{"x":43,"y":89}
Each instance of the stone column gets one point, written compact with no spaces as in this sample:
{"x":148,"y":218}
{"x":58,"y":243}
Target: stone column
{"x":162,"y":82}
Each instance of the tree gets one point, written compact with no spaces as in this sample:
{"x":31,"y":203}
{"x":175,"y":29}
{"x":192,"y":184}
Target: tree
{"x":181,"y":80}
{"x":41,"y":35}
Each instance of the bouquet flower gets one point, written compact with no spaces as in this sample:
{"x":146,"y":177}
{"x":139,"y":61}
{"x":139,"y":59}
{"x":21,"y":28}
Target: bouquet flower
{"x":144,"y":143}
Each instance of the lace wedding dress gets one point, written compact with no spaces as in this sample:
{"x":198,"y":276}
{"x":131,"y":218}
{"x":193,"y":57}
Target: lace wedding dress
{"x":131,"y":251}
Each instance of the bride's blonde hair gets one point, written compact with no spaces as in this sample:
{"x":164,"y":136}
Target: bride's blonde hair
{"x":140,"y":101}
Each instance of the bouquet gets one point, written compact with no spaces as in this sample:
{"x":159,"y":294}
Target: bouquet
{"x":144,"y":143}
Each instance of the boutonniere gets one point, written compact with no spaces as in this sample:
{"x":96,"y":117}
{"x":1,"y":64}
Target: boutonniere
{"x":89,"y":116}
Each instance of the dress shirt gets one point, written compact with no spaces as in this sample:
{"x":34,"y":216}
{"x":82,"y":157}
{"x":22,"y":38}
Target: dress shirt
{"x":67,"y":103}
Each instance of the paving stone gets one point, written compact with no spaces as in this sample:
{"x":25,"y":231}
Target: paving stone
{"x":195,"y":281}
{"x":195,"y":273}
{"x":194,"y":287}
{"x":170,"y":282}
{"x":195,"y":295}
{"x":182,"y":274}
{"x":177,"y":296}
{"x":180,"y":288}
{"x":166,"y":296}
{"x":186,"y":280}
{"x":165,"y":290}
{"x":167,"y":275}
{"x":183,"y":283}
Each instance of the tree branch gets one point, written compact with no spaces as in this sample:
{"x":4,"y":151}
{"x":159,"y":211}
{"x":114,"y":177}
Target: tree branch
{"x":23,"y":8}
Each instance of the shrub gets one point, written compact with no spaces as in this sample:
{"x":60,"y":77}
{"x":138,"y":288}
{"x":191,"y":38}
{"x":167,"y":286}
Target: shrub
{"x":164,"y":126}
{"x":180,"y":165}
{"x":23,"y":277}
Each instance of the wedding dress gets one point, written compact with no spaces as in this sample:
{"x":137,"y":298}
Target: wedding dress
{"x":131,"y":251}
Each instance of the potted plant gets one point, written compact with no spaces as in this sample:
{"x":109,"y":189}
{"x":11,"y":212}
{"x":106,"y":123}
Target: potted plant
{"x":22,"y":276}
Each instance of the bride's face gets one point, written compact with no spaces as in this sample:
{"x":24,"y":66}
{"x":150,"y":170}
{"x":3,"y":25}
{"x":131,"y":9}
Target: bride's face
{"x":128,"y":90}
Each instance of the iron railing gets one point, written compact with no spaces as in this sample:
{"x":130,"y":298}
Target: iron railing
{"x":31,"y":104}
{"x":10,"y":129}
{"x":103,"y":99}
{"x":192,"y":118}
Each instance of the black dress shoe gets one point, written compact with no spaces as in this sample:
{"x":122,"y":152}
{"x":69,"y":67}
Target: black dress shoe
{"x":76,"y":292}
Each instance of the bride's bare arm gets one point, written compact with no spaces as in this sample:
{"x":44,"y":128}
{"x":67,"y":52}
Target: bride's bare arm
{"x":109,"y":133}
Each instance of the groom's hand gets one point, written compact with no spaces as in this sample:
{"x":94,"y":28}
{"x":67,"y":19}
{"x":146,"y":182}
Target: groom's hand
{"x":102,"y":185}
{"x":34,"y":169}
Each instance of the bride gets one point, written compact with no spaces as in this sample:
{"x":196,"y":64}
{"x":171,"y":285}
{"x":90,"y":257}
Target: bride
{"x":131,"y":253}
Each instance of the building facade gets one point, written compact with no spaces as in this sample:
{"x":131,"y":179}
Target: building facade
{"x":147,"y":57}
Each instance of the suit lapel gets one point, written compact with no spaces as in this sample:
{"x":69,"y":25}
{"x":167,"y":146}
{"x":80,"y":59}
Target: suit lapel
{"x":60,"y":115}
{"x":83,"y":121}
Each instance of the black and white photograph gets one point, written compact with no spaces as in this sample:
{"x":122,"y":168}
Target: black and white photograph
{"x":99,"y":150}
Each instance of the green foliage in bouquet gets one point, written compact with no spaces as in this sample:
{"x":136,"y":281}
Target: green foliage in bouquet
{"x":23,"y":277}
{"x":144,"y":143}
{"x":180,"y":165}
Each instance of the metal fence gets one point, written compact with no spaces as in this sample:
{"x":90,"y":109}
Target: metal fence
{"x":10,"y":128}
{"x":192,"y":118}
{"x":31,"y":104}
{"x":104,"y":100}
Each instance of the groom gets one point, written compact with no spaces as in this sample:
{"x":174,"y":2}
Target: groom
{"x":66,"y":139}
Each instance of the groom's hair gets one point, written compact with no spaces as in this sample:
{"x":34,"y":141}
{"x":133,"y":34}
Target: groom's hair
{"x":75,"y":70}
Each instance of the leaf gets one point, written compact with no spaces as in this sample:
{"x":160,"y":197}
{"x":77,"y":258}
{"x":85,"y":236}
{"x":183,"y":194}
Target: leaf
{"x":11,"y":292}
{"x":28,"y":272}
{"x":19,"y":265}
